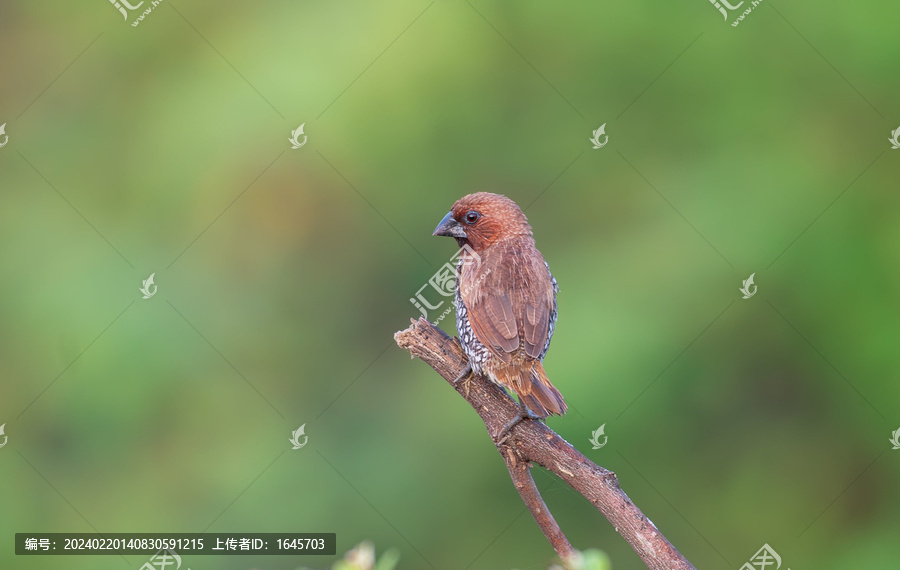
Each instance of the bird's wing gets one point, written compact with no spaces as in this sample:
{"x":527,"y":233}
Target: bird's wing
{"x":494,"y":324}
{"x":508,"y":300}
{"x":538,"y":300}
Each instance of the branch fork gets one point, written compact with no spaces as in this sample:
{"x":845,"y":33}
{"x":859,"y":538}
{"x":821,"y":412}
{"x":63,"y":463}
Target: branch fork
{"x":532,"y":441}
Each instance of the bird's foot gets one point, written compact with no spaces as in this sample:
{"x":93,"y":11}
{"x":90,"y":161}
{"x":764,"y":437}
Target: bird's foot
{"x":524,"y":414}
{"x":466,"y":371}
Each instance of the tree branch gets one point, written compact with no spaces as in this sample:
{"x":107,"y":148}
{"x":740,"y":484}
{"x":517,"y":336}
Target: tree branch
{"x":520,"y":473}
{"x":532,"y":441}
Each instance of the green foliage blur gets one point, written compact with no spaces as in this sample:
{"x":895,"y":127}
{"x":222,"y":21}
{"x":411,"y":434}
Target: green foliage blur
{"x":283,"y":273}
{"x":591,"y":559}
{"x":363,"y":557}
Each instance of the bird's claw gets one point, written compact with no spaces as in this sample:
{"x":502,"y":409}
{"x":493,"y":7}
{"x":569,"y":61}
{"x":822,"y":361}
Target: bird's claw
{"x":525,"y":414}
{"x":466,"y":371}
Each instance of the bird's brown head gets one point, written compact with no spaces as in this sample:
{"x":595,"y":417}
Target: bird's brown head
{"x":482,"y":219}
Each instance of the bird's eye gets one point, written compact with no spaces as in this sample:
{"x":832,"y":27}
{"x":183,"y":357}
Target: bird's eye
{"x":472,"y":217}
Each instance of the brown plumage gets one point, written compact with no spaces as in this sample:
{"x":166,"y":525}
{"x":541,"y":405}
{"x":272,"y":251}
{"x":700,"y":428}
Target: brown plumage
{"x":505,"y":298}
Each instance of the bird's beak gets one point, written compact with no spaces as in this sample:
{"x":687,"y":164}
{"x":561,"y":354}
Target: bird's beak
{"x":450,"y":228}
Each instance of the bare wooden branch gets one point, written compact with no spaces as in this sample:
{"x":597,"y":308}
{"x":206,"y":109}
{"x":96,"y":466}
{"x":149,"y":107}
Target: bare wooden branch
{"x":532,"y":441}
{"x":520,"y":472}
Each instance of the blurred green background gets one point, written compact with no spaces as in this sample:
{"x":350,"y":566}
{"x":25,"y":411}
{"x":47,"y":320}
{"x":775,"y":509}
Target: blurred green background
{"x":282,"y":274}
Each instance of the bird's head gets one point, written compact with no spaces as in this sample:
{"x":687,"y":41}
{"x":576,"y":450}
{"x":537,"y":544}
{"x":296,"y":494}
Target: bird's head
{"x":482,"y":219}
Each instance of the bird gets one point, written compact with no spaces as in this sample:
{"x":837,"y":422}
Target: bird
{"x":505,"y":299}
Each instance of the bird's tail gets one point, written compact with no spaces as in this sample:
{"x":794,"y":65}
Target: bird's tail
{"x":538,"y":393}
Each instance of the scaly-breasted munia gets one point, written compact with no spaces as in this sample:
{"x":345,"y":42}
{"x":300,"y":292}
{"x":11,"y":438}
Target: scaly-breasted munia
{"x":505,"y":300}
